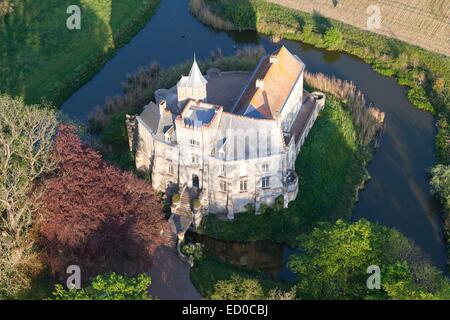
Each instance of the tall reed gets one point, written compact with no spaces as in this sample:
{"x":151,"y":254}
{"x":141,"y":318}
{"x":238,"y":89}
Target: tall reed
{"x":367,"y":119}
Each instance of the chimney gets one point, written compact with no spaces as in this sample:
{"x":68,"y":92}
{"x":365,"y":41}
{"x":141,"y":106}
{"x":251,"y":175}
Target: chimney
{"x":273,"y":59}
{"x":260,"y":83}
{"x":162,"y":106}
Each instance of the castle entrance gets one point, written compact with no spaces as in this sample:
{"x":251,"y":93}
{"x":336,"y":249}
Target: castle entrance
{"x":195,"y":181}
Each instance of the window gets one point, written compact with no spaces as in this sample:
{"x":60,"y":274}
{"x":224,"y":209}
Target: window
{"x":195,"y":159}
{"x":243,"y":185}
{"x":223,"y":170}
{"x":170,"y":169}
{"x":168,"y":139}
{"x":223,"y":186}
{"x":265,"y":166}
{"x":194,"y":142}
{"x":265,"y":182}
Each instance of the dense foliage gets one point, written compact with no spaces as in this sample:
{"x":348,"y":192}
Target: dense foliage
{"x":336,"y":257}
{"x":440,"y":187}
{"x":7,"y":7}
{"x":40,"y":57}
{"x":108,"y":287}
{"x":26,"y":141}
{"x":94,"y":215}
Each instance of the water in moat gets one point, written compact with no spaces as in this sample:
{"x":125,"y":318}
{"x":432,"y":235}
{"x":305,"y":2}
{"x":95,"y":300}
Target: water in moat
{"x":397,"y":194}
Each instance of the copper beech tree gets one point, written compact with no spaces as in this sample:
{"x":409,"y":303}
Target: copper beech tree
{"x":95,"y":215}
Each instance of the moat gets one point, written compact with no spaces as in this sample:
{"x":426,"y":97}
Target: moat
{"x":397,"y":194}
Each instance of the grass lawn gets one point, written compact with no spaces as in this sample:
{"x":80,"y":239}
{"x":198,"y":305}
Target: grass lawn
{"x":208,"y":271}
{"x":330,"y":150}
{"x":40,"y":57}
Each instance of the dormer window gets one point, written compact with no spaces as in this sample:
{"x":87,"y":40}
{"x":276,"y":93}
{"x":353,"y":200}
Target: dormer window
{"x":168,"y":134}
{"x":273,"y":59}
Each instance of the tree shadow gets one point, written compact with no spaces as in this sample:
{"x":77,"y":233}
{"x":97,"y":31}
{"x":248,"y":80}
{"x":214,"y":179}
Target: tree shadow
{"x":321,"y":23}
{"x":114,"y":246}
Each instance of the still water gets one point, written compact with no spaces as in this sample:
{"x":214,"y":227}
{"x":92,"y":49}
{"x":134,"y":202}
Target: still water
{"x":398,"y":193}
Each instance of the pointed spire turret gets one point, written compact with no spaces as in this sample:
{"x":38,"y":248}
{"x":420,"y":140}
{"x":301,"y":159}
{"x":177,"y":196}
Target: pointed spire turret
{"x":193,"y":86}
{"x":196,"y":79}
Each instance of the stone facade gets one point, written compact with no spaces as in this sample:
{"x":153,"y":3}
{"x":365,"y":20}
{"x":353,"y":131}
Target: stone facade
{"x":233,"y":155}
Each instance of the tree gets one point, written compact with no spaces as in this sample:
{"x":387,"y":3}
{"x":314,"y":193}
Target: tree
{"x":108,"y":287}
{"x":6,"y":7}
{"x":440,"y":184}
{"x":440,"y":187}
{"x":337,"y":256}
{"x":333,"y":38}
{"x":277,"y":294}
{"x":26,"y":141}
{"x":95,"y":215}
{"x":238,"y":288}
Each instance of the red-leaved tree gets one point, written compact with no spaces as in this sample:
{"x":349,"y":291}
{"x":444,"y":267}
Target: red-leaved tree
{"x":95,"y":215}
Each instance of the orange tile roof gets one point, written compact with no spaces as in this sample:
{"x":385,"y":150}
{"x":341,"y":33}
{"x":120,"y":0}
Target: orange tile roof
{"x":278,"y":80}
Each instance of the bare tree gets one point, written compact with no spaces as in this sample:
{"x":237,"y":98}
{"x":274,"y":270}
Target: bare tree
{"x":26,"y":138}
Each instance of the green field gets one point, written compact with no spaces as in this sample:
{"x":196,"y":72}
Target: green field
{"x":331,"y":150}
{"x":41,"y":58}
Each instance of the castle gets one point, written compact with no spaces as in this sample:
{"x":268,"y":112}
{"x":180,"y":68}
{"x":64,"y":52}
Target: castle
{"x":232,"y":137}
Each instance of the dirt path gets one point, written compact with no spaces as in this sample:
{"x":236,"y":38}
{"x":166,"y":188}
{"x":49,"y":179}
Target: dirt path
{"x":170,"y":277}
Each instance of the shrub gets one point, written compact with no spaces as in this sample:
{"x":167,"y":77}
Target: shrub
{"x":443,"y":141}
{"x":194,"y":250}
{"x":197,"y":203}
{"x":238,"y":288}
{"x":176,"y":198}
{"x":333,"y":38}
{"x":264,"y":209}
{"x":279,"y":204}
{"x":108,"y":287}
{"x":249,"y":208}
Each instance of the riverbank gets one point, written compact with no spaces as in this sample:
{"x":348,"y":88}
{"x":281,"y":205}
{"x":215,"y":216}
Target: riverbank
{"x":41,"y":59}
